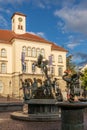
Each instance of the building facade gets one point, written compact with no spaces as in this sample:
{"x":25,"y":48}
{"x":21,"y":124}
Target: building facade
{"x":19,"y":50}
{"x":83,"y":68}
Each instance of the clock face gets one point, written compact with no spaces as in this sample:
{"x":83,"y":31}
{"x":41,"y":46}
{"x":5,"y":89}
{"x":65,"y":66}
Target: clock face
{"x":20,"y":19}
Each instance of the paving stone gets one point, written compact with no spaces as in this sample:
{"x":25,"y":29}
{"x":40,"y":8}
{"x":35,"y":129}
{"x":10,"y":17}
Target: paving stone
{"x":6,"y":123}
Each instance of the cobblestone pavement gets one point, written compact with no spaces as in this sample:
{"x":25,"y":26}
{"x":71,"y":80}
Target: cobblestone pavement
{"x":6,"y":123}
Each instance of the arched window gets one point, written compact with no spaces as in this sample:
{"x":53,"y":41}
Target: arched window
{"x":38,"y":52}
{"x":43,"y":52}
{"x":24,"y":67}
{"x":53,"y":58}
{"x":3,"y":68}
{"x":33,"y":52}
{"x":33,"y":68}
{"x":60,"y":71}
{"x":24,"y":50}
{"x":3,"y":52}
{"x":60,"y":60}
{"x":52,"y":70}
{"x":20,"y":27}
{"x":29,"y":51}
{"x":1,"y":87}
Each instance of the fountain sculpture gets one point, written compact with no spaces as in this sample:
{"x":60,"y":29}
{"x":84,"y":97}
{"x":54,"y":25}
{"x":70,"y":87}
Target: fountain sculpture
{"x":72,"y":114}
{"x":41,"y":100}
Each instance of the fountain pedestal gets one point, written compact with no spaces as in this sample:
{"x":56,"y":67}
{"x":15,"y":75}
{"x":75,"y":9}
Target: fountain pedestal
{"x":72,"y":115}
{"x":42,"y":109}
{"x":39,"y":110}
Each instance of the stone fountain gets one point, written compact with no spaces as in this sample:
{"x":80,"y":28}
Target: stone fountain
{"x":72,"y":112}
{"x":41,"y":101}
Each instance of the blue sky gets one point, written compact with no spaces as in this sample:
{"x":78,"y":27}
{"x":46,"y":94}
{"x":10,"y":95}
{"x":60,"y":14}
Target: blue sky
{"x":63,"y":22}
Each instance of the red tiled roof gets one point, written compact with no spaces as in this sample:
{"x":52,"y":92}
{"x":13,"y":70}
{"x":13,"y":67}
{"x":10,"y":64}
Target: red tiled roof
{"x":56,"y":47}
{"x":31,"y":37}
{"x":6,"y":36}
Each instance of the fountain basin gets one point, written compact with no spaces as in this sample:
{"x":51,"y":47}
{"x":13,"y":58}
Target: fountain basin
{"x":39,"y":110}
{"x":72,"y":115}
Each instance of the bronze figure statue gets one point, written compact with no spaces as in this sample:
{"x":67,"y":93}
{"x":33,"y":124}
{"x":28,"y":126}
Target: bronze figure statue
{"x":42,"y":64}
{"x":31,"y":89}
{"x":71,"y":81}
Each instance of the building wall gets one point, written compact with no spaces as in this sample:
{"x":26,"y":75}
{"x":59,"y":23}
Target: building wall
{"x":83,"y":68}
{"x":11,"y":79}
{"x":8,"y":58}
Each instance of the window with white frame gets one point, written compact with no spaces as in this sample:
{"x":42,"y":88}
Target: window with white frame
{"x":24,"y":50}
{"x":33,"y":52}
{"x":3,"y":52}
{"x":29,"y":51}
{"x":38,"y":52}
{"x":3,"y":68}
{"x":1,"y":87}
{"x":43,"y":52}
{"x":52,"y":70}
{"x":60,"y":60}
{"x":53,"y":58}
{"x":24,"y":67}
{"x":60,"y":71}
{"x":33,"y":67}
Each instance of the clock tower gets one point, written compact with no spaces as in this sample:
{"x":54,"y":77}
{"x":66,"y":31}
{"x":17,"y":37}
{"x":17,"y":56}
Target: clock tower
{"x":18,"y":23}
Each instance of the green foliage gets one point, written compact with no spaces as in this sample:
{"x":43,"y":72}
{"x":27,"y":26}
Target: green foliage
{"x":84,"y":79}
{"x":70,"y":65}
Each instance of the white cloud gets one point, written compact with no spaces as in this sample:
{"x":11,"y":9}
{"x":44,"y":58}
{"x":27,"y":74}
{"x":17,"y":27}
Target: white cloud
{"x":40,"y":4}
{"x":3,"y":22}
{"x":51,"y":3}
{"x":11,"y":1}
{"x":80,"y":58}
{"x":73,"y":42}
{"x":71,"y":45}
{"x":5,"y":10}
{"x":41,"y":34}
{"x":38,"y":33}
{"x":60,"y":24}
{"x":75,"y":19}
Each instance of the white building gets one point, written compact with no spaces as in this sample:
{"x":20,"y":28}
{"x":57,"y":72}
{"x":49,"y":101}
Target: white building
{"x":83,"y":68}
{"x":13,"y":43}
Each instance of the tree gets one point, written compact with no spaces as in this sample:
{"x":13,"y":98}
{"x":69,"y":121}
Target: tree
{"x":84,"y":79}
{"x":70,"y":65}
